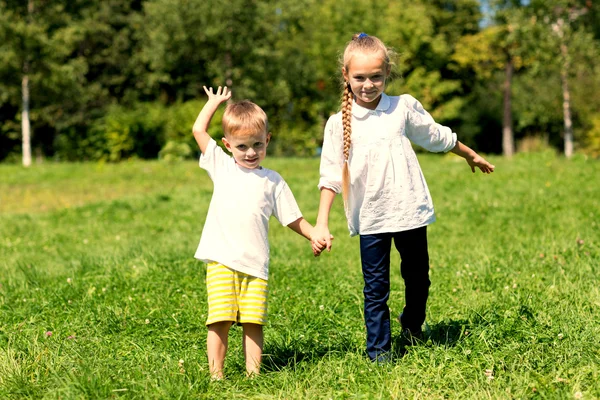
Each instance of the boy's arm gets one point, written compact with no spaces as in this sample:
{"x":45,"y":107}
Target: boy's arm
{"x":302,"y":227}
{"x":200,"y":128}
{"x":473,"y":159}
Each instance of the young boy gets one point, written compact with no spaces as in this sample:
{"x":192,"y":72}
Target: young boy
{"x":234,"y":240}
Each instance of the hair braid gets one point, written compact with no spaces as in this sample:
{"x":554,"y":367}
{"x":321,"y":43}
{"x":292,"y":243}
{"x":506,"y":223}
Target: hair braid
{"x":347,"y":99}
{"x":365,"y":44}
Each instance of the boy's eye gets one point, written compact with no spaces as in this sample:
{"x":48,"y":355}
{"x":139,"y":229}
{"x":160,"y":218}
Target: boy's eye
{"x":258,"y":144}
{"x":242,"y":147}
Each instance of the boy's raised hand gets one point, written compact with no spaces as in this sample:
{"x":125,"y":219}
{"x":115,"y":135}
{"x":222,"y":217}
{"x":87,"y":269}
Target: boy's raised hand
{"x":200,"y":128}
{"x":223,"y":94}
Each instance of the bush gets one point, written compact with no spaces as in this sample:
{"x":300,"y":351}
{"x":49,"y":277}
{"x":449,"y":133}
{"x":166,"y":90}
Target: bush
{"x":174,"y":151}
{"x":130,"y":132}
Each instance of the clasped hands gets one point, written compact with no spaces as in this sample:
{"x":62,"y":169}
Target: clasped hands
{"x":320,"y":240}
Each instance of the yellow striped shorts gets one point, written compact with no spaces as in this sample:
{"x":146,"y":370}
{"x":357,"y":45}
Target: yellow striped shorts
{"x":235,"y":296}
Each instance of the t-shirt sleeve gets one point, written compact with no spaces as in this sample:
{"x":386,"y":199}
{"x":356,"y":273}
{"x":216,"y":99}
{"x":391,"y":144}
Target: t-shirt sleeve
{"x":213,"y":159}
{"x":286,"y":208}
{"x":422,"y":130}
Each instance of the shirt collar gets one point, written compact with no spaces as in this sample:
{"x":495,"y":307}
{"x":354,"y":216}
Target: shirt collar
{"x":361,"y":112}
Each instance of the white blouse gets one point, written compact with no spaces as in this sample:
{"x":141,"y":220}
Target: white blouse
{"x":388,"y":192}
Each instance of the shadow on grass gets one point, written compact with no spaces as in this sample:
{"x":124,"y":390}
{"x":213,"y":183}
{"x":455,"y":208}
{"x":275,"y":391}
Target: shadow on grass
{"x":282,"y":354}
{"x":445,"y":333}
{"x":277,"y":356}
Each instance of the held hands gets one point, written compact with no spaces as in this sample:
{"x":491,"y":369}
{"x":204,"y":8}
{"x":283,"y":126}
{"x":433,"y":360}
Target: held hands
{"x":222,"y":95}
{"x":320,"y":240}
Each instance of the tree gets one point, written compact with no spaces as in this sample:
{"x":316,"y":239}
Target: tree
{"x":498,"y":47}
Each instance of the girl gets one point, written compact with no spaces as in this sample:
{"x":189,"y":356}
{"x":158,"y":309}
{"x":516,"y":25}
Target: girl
{"x":368,"y":157}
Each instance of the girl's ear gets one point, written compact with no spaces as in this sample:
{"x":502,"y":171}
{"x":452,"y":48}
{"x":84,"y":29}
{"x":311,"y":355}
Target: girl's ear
{"x":345,"y":74}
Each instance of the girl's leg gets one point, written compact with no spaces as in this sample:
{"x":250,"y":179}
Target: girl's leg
{"x":253,"y":347}
{"x":216,"y":346}
{"x":412,"y":246}
{"x":375,"y":258}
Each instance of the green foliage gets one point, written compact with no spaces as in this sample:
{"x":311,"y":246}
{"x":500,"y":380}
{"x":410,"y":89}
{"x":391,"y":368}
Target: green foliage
{"x":83,"y":59}
{"x":592,"y":138}
{"x":137,"y":131}
{"x":174,"y":151}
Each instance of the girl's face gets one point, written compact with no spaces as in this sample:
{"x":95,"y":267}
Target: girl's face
{"x":367,"y":73}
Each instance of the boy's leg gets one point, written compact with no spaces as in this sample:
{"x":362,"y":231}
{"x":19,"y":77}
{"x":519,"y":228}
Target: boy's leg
{"x":216,"y":346}
{"x":253,"y":347}
{"x":412,"y":246}
{"x":375,"y":258}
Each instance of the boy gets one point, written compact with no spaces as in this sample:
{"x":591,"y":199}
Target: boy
{"x":234,"y":240}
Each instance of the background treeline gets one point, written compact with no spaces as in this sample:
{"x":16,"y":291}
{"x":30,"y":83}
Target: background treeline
{"x":114,"y":79}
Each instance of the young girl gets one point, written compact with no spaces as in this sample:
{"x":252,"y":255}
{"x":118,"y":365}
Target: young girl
{"x":368,"y":157}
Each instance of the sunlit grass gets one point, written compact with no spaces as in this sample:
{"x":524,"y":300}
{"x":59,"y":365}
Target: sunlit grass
{"x":100,"y":296}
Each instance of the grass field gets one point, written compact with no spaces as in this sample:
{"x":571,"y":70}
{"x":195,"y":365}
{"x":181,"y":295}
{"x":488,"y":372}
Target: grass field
{"x":100,"y":296}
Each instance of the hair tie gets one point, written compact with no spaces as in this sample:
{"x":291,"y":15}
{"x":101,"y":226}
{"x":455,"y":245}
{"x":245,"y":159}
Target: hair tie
{"x":362,"y":35}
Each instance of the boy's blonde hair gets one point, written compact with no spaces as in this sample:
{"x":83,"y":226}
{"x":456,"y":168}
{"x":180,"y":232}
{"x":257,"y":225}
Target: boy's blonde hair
{"x":360,"y":43}
{"x":244,"y":117}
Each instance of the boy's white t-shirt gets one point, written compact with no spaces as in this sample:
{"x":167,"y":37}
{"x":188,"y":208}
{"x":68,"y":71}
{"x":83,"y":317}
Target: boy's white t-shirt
{"x":235,"y":233}
{"x":388,"y":192}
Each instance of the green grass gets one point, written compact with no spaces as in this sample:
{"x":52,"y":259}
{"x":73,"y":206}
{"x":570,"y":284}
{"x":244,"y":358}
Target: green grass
{"x":101,"y":256}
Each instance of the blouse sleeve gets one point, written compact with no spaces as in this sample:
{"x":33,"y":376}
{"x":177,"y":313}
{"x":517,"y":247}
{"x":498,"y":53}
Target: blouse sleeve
{"x":422,"y":130}
{"x":331,"y":157}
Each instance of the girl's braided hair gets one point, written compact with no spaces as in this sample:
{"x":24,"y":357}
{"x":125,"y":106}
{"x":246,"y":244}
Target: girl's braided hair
{"x":361,"y":42}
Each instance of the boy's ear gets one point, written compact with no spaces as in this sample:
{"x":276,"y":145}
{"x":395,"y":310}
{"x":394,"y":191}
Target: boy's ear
{"x":268,"y":138}
{"x":227,"y":144}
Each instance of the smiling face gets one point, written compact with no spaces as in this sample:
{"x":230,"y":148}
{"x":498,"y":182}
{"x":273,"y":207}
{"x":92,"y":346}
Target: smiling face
{"x":366,"y":73}
{"x":248,"y":148}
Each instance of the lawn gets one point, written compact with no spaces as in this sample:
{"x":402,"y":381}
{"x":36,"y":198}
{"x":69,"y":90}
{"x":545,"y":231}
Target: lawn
{"x":100,"y":296}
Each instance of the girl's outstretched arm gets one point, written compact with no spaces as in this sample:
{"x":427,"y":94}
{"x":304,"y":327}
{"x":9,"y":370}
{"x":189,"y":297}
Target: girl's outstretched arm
{"x":321,"y":235}
{"x":473,"y":159}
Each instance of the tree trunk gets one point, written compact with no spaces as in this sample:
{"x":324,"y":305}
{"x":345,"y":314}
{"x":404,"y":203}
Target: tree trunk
{"x":25,"y":124}
{"x":508,"y":147}
{"x":564,"y":73}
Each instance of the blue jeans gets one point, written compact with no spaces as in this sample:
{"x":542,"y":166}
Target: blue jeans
{"x":375,"y":258}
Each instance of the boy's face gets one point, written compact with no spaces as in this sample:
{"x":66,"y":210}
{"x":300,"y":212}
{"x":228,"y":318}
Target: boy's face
{"x":247,"y":148}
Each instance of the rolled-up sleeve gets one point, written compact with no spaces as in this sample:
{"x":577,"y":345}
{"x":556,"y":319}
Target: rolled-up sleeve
{"x":331,"y":157}
{"x":422,"y":130}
